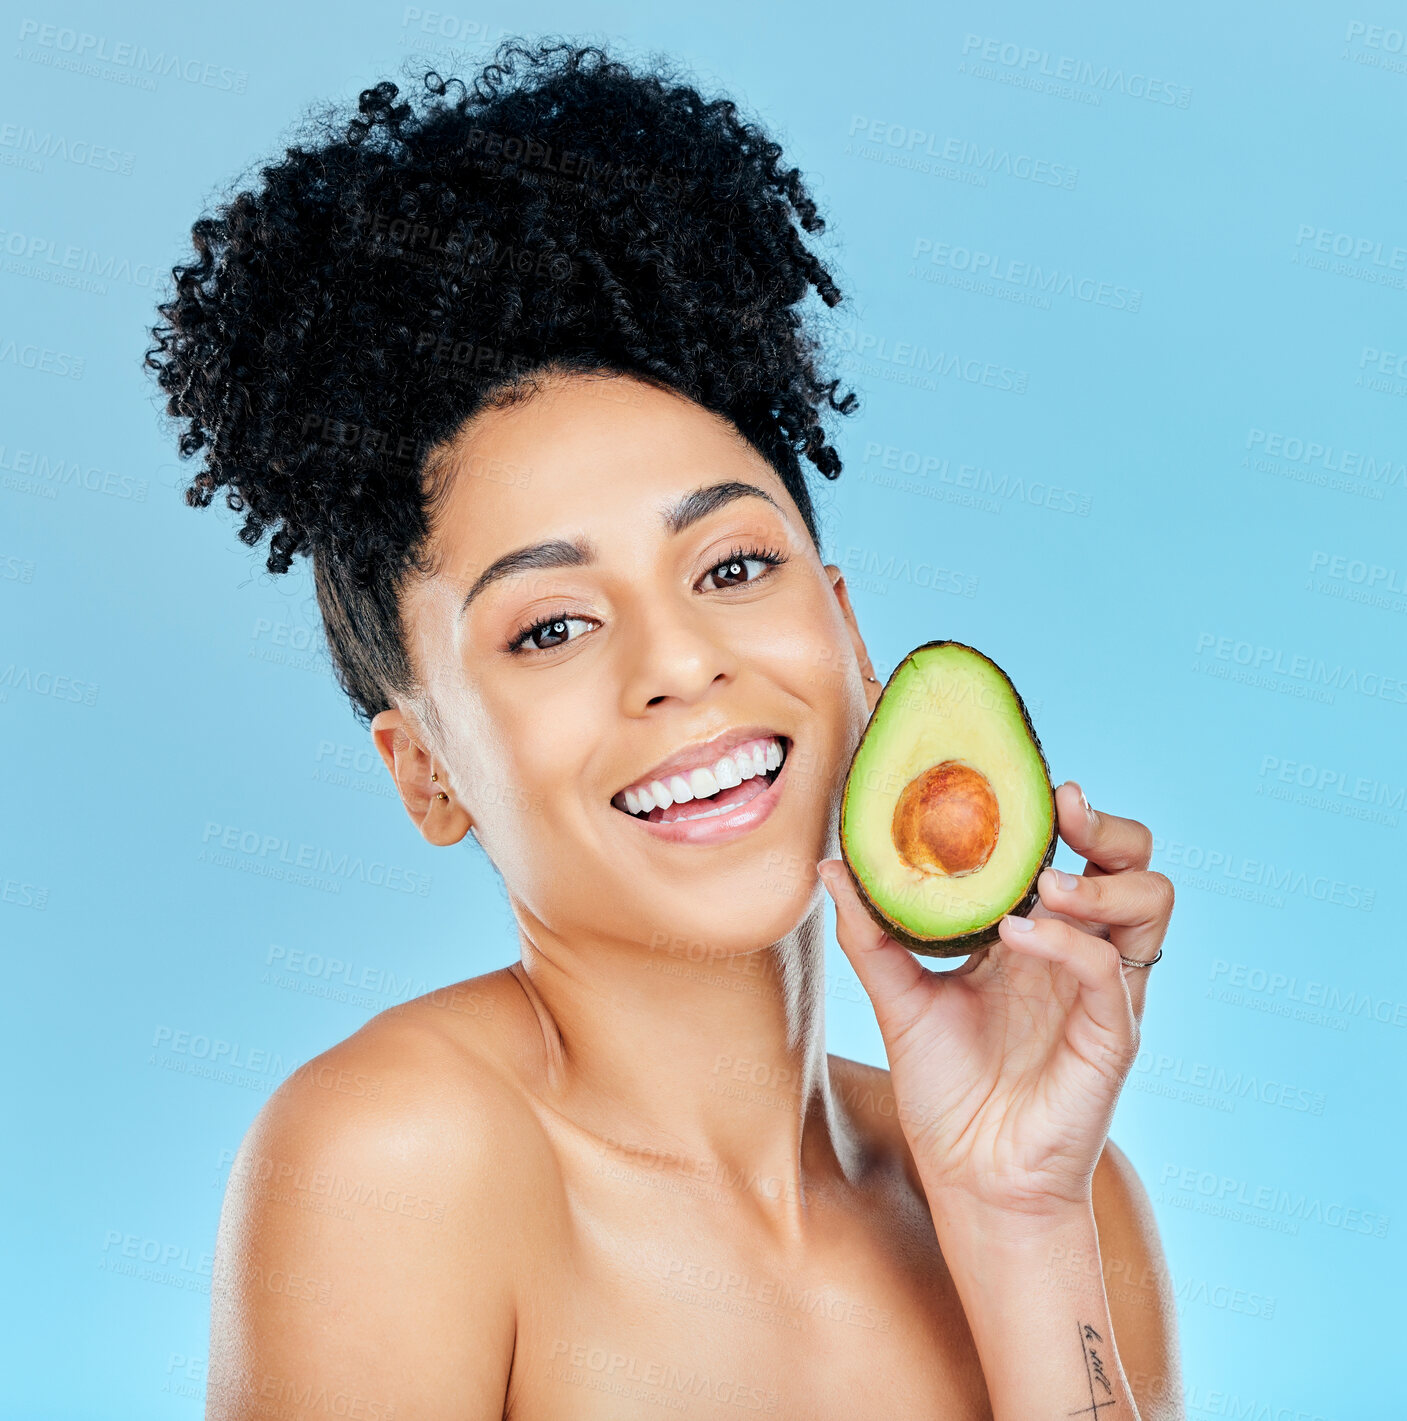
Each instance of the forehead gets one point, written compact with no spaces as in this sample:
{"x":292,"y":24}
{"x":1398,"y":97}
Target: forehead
{"x":582,"y":451}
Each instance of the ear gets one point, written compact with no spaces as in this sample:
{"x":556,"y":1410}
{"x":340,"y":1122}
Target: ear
{"x":398,"y":741}
{"x":857,"y":642}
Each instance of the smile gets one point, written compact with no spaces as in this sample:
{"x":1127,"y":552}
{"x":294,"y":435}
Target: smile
{"x":717,"y":797}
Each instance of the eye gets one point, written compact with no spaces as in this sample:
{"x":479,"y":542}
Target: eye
{"x":742,"y":566}
{"x":547,"y":634}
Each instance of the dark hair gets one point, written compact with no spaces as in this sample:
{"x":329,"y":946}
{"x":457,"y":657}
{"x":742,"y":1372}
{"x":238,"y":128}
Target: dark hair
{"x":404,"y":268}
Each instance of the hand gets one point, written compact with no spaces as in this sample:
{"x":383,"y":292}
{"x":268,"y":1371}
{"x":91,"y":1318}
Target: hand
{"x":1006,"y":1070}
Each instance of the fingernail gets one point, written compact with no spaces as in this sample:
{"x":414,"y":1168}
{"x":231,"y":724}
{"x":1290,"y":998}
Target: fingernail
{"x":1054,"y":878}
{"x":825,"y":871}
{"x":1084,"y":803}
{"x":1020,"y":925}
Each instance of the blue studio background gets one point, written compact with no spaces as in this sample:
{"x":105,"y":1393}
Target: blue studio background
{"x":1127,"y":297}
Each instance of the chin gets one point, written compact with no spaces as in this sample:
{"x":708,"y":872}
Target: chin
{"x":758,"y":904}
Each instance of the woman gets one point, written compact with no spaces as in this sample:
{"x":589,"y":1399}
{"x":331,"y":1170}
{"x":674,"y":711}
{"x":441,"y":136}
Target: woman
{"x":523,"y":370}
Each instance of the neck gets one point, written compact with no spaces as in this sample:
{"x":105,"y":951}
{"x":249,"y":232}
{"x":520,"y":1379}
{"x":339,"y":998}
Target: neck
{"x":714,"y":1065}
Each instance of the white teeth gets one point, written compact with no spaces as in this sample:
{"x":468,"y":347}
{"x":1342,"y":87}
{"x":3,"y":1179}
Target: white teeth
{"x":703,"y":783}
{"x":745,"y":763}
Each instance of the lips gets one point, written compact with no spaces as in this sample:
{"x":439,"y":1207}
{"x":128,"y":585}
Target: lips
{"x":707,"y":781}
{"x":720,"y":819}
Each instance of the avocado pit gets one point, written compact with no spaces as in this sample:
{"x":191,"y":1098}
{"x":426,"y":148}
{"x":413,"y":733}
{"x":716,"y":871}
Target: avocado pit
{"x":947,"y":820}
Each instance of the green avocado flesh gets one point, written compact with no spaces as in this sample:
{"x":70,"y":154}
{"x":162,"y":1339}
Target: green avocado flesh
{"x":948,"y":816}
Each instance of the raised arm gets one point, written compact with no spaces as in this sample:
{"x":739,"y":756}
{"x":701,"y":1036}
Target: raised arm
{"x":1006,"y":1073}
{"x":1074,"y":1309}
{"x":363,"y":1264}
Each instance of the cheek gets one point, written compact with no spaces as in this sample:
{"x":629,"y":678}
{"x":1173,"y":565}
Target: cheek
{"x":810,"y":651}
{"x":530,"y":759}
{"x":494,"y":773}
{"x":813,"y":662}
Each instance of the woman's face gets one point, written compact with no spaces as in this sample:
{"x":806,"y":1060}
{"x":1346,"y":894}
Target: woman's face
{"x":625,"y":593}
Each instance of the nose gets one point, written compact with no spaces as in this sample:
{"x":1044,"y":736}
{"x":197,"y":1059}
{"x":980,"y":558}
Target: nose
{"x":673,"y":656}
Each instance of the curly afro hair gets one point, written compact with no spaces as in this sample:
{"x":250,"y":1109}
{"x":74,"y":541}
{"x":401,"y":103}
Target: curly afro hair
{"x":406,"y":267}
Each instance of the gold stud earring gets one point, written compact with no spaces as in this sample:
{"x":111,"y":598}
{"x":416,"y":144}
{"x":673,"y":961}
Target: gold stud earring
{"x":442,"y":795}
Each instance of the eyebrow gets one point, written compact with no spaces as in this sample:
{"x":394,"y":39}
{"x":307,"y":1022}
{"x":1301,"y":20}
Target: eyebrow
{"x":561,"y":552}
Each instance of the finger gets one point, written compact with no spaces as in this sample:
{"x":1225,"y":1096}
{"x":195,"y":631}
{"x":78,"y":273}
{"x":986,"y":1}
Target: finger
{"x":1108,"y":842}
{"x":1095,"y":966}
{"x":888,"y":971}
{"x":1135,"y":905}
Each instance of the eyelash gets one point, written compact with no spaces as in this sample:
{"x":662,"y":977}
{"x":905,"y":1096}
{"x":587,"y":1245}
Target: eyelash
{"x":773,"y":557}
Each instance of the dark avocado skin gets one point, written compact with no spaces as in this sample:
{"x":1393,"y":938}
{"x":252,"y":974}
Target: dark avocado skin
{"x":964,"y":943}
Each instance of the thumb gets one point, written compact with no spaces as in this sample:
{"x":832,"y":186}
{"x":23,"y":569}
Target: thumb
{"x":891,"y":975}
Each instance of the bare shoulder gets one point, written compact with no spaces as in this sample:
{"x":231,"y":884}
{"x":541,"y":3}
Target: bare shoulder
{"x":367,"y":1243}
{"x":428,"y":1090}
{"x":1142,"y":1304}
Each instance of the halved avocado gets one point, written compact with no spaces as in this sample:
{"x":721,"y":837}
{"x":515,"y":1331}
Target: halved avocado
{"x":948,"y":816}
